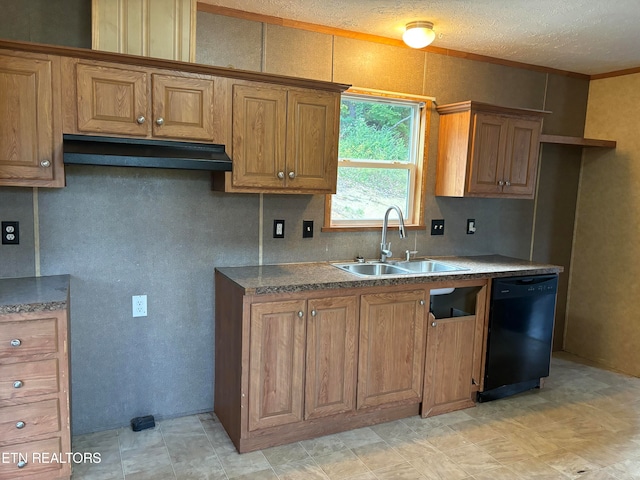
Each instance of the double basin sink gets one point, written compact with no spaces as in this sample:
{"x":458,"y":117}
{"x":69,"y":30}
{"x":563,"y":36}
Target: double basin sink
{"x":391,"y":267}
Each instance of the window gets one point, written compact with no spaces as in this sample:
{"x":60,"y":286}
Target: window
{"x":380,"y":159}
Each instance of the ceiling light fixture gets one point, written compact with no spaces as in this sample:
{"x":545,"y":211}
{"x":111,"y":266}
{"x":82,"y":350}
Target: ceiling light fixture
{"x":419,"y":34}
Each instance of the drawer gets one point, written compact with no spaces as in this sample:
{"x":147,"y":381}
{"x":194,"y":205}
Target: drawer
{"x":29,"y":419}
{"x":20,"y":380}
{"x":28,"y":337}
{"x":36,"y":457}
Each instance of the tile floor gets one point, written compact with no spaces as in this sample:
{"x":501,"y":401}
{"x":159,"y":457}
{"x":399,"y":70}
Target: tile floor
{"x":584,"y":424}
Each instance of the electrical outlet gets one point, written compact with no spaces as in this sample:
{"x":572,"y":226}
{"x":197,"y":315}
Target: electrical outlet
{"x":307,"y":228}
{"x":471,"y":226}
{"x":278,"y":229}
{"x":10,"y":233}
{"x":437,"y":227}
{"x":139,"y":305}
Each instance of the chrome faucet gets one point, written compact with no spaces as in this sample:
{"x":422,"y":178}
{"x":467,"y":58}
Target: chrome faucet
{"x":384,"y":246}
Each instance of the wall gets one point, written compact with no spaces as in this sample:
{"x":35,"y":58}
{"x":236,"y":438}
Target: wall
{"x":123,"y":232}
{"x":602,"y":314}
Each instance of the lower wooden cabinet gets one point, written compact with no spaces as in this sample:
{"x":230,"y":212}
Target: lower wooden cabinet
{"x":391,"y":360}
{"x":455,"y":352}
{"x":300,"y":365}
{"x":34,"y":396}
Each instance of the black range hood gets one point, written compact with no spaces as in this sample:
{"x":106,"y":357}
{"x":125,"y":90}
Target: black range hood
{"x":136,"y":152}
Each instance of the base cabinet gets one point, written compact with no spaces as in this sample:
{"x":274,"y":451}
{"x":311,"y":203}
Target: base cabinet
{"x":455,"y":339}
{"x":289,"y":367}
{"x":34,"y":396}
{"x":391,"y":360}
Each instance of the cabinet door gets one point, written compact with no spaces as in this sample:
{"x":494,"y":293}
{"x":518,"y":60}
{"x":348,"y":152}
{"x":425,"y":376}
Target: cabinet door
{"x":521,"y":158}
{"x":183,"y":107}
{"x":26,"y":131}
{"x":312,"y":133}
{"x":392,"y":340}
{"x":449,"y":364}
{"x":332,"y":336}
{"x":276,"y":363}
{"x":259,"y":135}
{"x":488,"y":143}
{"x":112,"y":100}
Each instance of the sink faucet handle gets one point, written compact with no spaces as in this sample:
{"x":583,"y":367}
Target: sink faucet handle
{"x":410,"y":253}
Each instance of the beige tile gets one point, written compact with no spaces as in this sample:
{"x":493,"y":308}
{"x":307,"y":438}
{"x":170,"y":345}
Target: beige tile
{"x":378,"y":455}
{"x":153,"y":473}
{"x":304,"y":470}
{"x":475,"y":431}
{"x":404,"y":471}
{"x":341,"y":464}
{"x":208,"y":468}
{"x":444,"y":438}
{"x":598,"y":475}
{"x":187,"y":447}
{"x":149,"y":438}
{"x":359,"y":437}
{"x":569,"y":463}
{"x":504,"y":450}
{"x":267,"y":474}
{"x":472,"y":459}
{"x":626,"y":470}
{"x":532,"y":443}
{"x":534,"y":469}
{"x":438,"y":467}
{"x":499,"y":473}
{"x":236,"y":465}
{"x":145,"y":459}
{"x":189,"y":424}
{"x":98,"y":471}
{"x":363,"y":476}
{"x":412,"y":445}
{"x":323,"y":445}
{"x":389,"y":430}
{"x":284,"y":454}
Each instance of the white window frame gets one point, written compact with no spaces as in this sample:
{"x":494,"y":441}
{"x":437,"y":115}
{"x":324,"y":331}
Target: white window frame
{"x":416,"y":168}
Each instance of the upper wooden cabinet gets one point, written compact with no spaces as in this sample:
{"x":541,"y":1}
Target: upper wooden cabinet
{"x":487,"y":151}
{"x":158,"y":28}
{"x":113,"y":99}
{"x":285,"y":140}
{"x":30,"y":131}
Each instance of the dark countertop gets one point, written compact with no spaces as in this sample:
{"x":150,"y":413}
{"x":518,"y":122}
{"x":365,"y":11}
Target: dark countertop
{"x":34,"y":294}
{"x":301,"y":277}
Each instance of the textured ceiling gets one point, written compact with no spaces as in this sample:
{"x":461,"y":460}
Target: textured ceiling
{"x":583,"y":36}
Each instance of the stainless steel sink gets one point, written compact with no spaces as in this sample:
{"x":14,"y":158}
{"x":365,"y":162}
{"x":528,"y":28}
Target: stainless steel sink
{"x":371,"y":269}
{"x":411,"y":267}
{"x":427,"y":266}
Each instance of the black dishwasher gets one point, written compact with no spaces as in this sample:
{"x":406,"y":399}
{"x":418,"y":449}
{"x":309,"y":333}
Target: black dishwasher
{"x":520,"y":334}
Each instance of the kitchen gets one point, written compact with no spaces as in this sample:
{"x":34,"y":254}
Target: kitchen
{"x":121,"y":232}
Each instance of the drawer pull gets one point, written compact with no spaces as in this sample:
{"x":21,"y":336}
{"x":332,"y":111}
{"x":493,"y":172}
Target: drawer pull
{"x":20,"y":425}
{"x":17,"y":384}
{"x":22,"y":464}
{"x":16,"y":342}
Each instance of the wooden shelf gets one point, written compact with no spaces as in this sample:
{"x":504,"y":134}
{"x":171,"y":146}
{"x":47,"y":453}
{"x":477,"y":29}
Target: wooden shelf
{"x":578,"y":141}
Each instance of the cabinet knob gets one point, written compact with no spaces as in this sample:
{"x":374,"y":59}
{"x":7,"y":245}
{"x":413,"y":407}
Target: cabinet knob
{"x":300,"y":314}
{"x":433,"y":324}
{"x":501,"y":183}
{"x":292,"y":175}
{"x":22,"y":464}
{"x":141,"y":119}
{"x":281,"y":175}
{"x":421,"y":302}
{"x":17,"y":384}
{"x":45,"y":163}
{"x":159,"y":121}
{"x":507,"y":183}
{"x":16,"y":342}
{"x":313,"y":313}
{"x":19,"y":425}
